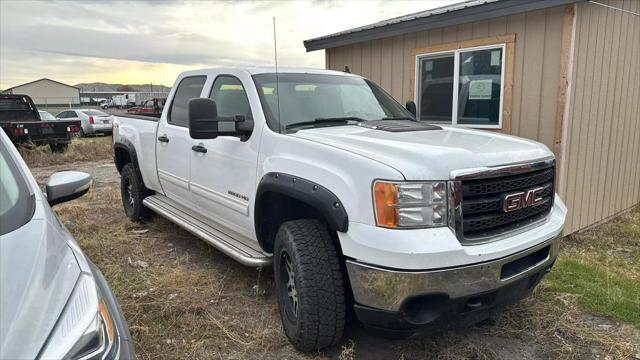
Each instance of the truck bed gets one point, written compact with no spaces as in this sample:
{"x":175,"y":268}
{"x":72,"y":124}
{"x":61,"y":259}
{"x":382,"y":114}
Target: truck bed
{"x":140,"y":133}
{"x":41,"y":132}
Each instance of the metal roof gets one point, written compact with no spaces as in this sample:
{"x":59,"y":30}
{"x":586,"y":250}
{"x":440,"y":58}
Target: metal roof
{"x":35,"y":81}
{"x":463,"y":12}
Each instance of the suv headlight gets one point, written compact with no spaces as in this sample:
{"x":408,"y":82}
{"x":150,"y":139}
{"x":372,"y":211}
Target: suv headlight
{"x":410,"y":204}
{"x":85,"y":329}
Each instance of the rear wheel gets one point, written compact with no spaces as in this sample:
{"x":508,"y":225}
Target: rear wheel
{"x":309,"y":284}
{"x":133,"y":191}
{"x":58,"y":148}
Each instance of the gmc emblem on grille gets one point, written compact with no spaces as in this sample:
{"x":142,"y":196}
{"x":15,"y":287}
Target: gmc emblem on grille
{"x":523,"y":199}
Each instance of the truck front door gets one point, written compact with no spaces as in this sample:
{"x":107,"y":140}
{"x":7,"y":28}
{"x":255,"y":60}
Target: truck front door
{"x":223,"y":177}
{"x":173,"y":144}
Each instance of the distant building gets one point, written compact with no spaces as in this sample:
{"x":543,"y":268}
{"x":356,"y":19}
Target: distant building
{"x":48,"y":92}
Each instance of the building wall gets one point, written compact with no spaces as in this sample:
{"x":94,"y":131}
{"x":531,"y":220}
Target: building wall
{"x":389,"y":63}
{"x":46,"y":92}
{"x":601,"y":155}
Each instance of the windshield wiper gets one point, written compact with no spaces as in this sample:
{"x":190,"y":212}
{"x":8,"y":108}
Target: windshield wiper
{"x":343,"y":119}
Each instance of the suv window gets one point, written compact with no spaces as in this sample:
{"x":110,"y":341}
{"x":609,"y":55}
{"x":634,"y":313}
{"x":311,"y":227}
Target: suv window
{"x":231,"y":100}
{"x":188,"y":88}
{"x":16,"y":202}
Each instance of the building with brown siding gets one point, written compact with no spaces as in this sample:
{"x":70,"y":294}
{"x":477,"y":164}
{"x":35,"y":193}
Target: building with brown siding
{"x":563,"y":72}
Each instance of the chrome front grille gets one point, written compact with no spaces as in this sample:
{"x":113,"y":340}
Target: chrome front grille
{"x":478,"y":213}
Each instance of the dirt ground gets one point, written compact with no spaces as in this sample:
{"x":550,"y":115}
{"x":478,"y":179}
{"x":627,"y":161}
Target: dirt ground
{"x":185,"y":300}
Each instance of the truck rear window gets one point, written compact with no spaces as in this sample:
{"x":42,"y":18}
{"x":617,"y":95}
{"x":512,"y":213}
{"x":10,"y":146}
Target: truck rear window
{"x":13,"y":104}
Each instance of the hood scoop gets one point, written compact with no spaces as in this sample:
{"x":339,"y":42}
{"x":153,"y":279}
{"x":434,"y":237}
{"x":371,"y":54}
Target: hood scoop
{"x":398,"y":125}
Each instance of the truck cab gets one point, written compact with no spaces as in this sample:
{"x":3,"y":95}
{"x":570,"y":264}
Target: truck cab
{"x":353,"y":202}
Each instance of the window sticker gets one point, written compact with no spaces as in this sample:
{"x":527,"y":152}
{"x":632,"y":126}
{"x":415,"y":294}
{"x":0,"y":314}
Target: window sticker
{"x":495,"y":58}
{"x":480,"y":89}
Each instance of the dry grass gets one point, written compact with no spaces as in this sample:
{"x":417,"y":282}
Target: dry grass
{"x":191,"y":302}
{"x":82,"y":149}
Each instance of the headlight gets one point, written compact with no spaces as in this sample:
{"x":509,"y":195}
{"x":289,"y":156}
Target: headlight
{"x":85,"y":329}
{"x":410,"y":204}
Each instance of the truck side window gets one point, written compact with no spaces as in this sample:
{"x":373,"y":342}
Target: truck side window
{"x":231,"y":100}
{"x":188,"y":88}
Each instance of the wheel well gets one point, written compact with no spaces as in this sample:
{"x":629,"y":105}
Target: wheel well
{"x":122,"y":157}
{"x":276,"y":208}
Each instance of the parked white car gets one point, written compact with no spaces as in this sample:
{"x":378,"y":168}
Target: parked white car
{"x":92,"y":121}
{"x":325,"y":176}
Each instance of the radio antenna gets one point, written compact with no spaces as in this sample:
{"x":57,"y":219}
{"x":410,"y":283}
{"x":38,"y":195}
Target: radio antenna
{"x":275,"y":53}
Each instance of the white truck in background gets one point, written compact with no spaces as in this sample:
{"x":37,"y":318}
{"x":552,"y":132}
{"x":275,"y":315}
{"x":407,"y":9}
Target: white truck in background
{"x":325,"y":177}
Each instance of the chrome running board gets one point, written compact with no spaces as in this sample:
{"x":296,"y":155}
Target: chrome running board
{"x":227,"y":241}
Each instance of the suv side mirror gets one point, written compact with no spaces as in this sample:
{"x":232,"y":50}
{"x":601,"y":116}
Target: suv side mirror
{"x":64,"y":186}
{"x":203,"y":121}
{"x":411,"y":106}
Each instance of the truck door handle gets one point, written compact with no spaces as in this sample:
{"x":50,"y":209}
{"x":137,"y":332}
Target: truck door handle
{"x":163,"y":139}
{"x":199,"y":148}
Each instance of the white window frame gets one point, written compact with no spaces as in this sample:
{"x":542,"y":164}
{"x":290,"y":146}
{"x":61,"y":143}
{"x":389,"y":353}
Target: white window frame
{"x":456,"y":83}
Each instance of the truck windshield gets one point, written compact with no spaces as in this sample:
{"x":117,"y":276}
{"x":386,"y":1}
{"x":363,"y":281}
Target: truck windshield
{"x":320,"y":100}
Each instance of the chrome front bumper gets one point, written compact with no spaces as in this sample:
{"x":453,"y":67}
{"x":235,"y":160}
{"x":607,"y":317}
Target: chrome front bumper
{"x":388,"y":289}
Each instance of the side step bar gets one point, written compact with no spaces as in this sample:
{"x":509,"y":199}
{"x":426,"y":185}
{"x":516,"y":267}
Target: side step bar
{"x":225,"y":240}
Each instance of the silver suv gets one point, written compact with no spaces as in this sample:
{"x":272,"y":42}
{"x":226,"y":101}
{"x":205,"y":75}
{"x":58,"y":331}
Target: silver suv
{"x":54,"y":303}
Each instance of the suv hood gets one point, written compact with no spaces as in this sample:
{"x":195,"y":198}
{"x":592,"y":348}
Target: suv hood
{"x":38,"y":271}
{"x":431,"y":154}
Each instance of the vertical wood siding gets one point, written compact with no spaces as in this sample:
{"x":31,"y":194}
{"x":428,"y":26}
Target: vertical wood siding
{"x":602,"y":145}
{"x":388,"y":62}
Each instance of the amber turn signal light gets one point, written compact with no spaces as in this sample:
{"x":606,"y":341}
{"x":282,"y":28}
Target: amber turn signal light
{"x":386,"y":199}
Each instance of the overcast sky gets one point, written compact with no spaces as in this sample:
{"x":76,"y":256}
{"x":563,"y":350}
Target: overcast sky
{"x":151,"y":42}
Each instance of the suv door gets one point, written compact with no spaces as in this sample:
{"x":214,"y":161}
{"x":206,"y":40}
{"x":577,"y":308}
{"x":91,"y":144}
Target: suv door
{"x":173,"y":144}
{"x":223,"y":178}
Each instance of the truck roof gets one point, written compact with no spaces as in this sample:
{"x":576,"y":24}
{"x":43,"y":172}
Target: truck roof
{"x":253,"y":70}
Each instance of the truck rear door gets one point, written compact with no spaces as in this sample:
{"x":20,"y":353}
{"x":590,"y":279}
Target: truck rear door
{"x":173,"y":144}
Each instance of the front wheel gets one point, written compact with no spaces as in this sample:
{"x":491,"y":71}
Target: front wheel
{"x":309,"y":284}
{"x":133,"y":191}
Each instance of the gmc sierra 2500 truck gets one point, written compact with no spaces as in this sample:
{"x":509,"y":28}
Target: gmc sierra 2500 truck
{"x":354,"y":203}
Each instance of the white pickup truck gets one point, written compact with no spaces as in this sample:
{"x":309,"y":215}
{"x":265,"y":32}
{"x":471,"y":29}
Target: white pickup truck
{"x":355,"y":203}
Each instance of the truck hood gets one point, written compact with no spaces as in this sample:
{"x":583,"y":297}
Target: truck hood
{"x":38,"y":272}
{"x":430,"y":154}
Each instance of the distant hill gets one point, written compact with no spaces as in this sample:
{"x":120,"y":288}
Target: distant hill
{"x":99,"y":86}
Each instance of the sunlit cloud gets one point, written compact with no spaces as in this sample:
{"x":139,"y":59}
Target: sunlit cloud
{"x":151,"y":42}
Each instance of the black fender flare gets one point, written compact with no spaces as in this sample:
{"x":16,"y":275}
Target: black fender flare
{"x":126,"y":145}
{"x":306,"y":191}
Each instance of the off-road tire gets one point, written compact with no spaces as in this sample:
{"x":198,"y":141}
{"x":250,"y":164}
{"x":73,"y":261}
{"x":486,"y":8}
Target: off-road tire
{"x":133,"y":191}
{"x":58,"y":148}
{"x":318,"y":282}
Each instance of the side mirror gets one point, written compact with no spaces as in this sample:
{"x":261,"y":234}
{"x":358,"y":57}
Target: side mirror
{"x":203,"y":121}
{"x":67,"y":185}
{"x":411,"y":106}
{"x":202,"y":114}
